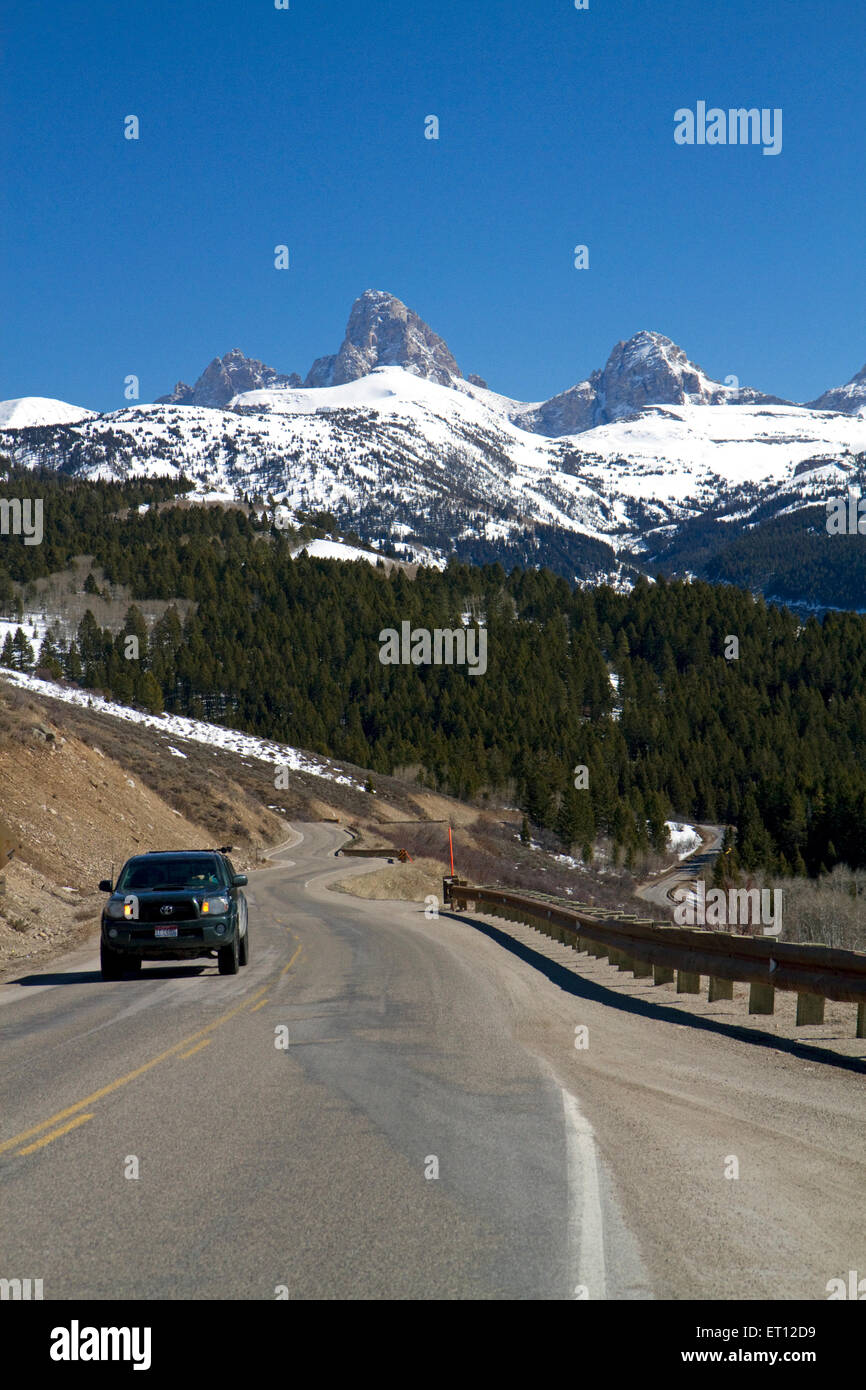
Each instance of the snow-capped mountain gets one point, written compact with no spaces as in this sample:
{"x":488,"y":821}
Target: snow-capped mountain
{"x":647,"y":370}
{"x":408,"y":453}
{"x":27,"y":411}
{"x":223,"y":378}
{"x":382,"y":332}
{"x":850,"y":398}
{"x":402,"y":459}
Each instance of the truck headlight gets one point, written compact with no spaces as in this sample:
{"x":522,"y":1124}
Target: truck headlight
{"x":115,"y":908}
{"x":214,"y":905}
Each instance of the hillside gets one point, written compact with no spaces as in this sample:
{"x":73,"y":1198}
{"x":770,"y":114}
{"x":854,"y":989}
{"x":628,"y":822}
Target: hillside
{"x":86,"y":783}
{"x":641,"y":687}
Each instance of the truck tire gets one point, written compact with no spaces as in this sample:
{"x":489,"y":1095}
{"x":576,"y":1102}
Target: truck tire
{"x":229,"y":957}
{"x":111,"y":961}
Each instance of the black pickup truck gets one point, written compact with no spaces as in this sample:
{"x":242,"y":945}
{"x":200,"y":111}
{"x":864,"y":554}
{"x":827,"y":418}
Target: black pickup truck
{"x":174,"y":905}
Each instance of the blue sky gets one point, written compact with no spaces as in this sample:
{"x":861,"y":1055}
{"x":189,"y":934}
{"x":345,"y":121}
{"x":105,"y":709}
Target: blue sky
{"x":306,"y":127}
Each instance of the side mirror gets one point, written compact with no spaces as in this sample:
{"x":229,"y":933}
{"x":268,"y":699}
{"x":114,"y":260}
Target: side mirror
{"x":106,"y":885}
{"x":239,"y":880}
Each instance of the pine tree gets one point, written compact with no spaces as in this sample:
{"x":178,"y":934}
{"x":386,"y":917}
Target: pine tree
{"x":23,"y":656}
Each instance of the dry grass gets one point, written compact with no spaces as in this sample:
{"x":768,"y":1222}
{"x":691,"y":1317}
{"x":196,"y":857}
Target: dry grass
{"x":489,"y":851}
{"x":398,"y":882}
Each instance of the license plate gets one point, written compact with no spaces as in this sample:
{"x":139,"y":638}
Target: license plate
{"x":165,"y":931}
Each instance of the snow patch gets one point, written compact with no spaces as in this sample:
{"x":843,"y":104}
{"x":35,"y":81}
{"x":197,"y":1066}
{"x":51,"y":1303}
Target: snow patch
{"x":684,"y":839}
{"x":192,"y":730}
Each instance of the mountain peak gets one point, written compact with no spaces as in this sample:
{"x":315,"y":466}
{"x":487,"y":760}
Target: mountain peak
{"x":225,"y":377}
{"x":849,"y":399}
{"x":383,"y":332}
{"x":645,"y":370}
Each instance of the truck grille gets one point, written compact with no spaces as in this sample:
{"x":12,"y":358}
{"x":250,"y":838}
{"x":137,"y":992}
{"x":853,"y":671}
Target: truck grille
{"x":182,"y":910}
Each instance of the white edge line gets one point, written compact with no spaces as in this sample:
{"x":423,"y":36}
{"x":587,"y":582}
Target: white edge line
{"x":585,"y":1225}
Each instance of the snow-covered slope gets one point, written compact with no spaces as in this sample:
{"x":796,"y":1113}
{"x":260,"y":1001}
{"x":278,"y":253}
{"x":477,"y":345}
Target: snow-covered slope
{"x":850,"y":398}
{"x":185,"y":729}
{"x":397,"y":454}
{"x":337,"y":550}
{"x":682,"y":455}
{"x":40,"y":410}
{"x":647,"y":370}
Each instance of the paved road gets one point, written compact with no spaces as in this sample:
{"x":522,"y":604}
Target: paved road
{"x":659,"y":890}
{"x":412,"y":1044}
{"x":305,"y":1167}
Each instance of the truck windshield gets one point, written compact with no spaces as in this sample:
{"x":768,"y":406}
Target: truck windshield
{"x":148,"y":875}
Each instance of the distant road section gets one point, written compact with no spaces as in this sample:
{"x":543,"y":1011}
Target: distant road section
{"x":660,"y":890}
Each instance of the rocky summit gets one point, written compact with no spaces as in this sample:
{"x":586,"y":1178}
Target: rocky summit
{"x":226,"y":377}
{"x":649,"y":369}
{"x":383,"y":332}
{"x":849,"y":399}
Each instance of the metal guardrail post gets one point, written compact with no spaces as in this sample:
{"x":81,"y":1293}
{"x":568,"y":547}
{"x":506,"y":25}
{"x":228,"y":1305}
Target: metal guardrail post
{"x":662,"y":975}
{"x":719,"y":989}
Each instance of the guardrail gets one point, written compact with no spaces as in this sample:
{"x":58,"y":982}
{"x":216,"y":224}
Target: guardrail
{"x":382,"y":852}
{"x":683,"y":954}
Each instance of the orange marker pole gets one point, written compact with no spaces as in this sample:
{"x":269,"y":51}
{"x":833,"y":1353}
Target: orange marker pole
{"x":451,"y":848}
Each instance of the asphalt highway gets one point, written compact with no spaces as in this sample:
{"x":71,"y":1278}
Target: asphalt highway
{"x":383,"y":1105}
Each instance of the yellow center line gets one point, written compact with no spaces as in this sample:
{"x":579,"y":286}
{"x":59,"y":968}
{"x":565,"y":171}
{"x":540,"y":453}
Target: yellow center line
{"x":145,"y":1067}
{"x":207,"y":1042}
{"x":287,"y":968}
{"x":55,"y":1134}
{"x":261,"y":1004}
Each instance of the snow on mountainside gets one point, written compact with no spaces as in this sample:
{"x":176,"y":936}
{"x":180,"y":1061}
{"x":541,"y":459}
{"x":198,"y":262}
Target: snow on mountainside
{"x":850,"y":398}
{"x":40,"y":410}
{"x":393,"y":445}
{"x":647,"y":370}
{"x":390,"y":437}
{"x":403,"y":456}
{"x":183,"y":728}
{"x":672,"y":453}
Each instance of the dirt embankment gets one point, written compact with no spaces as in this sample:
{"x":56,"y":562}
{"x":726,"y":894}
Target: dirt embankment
{"x":75,"y":813}
{"x":81,"y":790}
{"x":397,"y":882}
